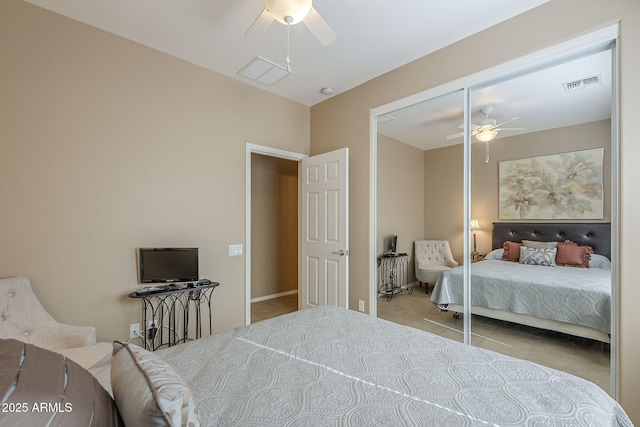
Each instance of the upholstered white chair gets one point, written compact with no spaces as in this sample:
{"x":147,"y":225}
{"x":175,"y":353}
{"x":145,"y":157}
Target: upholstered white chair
{"x":23,"y":318}
{"x":433,"y":257}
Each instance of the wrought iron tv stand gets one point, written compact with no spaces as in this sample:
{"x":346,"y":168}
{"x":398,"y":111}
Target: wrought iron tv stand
{"x":392,"y":271}
{"x":171,"y":306}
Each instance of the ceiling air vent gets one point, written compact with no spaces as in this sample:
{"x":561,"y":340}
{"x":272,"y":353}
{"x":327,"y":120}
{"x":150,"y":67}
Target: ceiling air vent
{"x":263,"y":71}
{"x":582,"y":83}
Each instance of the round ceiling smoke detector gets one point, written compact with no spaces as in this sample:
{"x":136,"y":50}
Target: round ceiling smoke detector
{"x":327,"y":91}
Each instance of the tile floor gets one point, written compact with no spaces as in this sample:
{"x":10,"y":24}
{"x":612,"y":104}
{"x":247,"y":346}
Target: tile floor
{"x":586,"y":358}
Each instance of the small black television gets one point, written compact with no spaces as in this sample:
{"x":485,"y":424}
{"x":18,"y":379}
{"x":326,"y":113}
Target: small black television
{"x":167,"y":265}
{"x":393,"y":244}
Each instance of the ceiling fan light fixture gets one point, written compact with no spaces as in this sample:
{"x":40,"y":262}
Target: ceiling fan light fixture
{"x":288,"y":12}
{"x":486,"y":136}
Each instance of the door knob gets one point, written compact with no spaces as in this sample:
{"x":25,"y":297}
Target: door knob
{"x":340,"y":252}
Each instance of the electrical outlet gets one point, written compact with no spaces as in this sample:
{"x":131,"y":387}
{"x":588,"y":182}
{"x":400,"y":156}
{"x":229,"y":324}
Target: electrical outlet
{"x":134,"y":330}
{"x":152,"y":323}
{"x":361,"y":305}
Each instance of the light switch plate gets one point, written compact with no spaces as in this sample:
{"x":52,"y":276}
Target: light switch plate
{"x":236,"y":250}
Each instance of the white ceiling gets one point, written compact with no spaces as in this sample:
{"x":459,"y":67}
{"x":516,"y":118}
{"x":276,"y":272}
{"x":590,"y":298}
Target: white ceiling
{"x":538,"y":99}
{"x":373,"y":36}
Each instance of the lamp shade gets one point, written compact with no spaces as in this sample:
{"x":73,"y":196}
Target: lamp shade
{"x":474,"y":224}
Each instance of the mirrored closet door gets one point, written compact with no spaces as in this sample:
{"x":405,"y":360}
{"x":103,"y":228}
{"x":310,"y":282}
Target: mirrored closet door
{"x":539,"y":149}
{"x":419,"y":205}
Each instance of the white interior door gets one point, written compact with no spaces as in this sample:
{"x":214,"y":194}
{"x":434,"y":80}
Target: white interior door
{"x":325,"y":229}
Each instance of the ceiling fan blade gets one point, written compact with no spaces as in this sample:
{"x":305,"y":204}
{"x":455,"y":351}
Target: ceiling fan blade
{"x":473,"y":126}
{"x":455,"y":135}
{"x":508,"y":121}
{"x":509,"y":129}
{"x":319,"y":27}
{"x":262,"y":22}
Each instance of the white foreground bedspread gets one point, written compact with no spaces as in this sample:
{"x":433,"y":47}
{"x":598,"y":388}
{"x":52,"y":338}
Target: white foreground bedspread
{"x":334,"y":367}
{"x":579,"y":296}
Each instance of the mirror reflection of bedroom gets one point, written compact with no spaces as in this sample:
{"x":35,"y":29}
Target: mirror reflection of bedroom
{"x":540,"y":206}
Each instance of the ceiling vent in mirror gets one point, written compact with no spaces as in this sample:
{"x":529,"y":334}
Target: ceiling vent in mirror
{"x":582,"y":83}
{"x":384,"y":118}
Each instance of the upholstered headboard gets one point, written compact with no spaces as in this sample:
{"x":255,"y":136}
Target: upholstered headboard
{"x":597,"y":235}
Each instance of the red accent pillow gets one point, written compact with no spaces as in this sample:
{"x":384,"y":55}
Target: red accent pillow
{"x":571,"y":255}
{"x":511,"y":251}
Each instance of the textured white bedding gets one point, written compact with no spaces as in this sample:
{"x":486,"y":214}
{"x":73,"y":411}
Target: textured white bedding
{"x":579,"y":296}
{"x":332,"y":366}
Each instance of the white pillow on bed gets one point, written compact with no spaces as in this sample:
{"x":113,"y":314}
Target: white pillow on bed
{"x":148,"y":391}
{"x":539,"y":245}
{"x":542,"y":256}
{"x":599,"y":261}
{"x":495,"y":254}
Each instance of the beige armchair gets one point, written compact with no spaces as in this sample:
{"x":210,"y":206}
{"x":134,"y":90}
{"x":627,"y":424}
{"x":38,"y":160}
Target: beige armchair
{"x":432,"y":258}
{"x":23,"y":318}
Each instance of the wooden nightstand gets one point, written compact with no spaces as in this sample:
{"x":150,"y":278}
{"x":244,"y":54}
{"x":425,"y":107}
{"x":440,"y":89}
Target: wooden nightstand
{"x":477,"y":257}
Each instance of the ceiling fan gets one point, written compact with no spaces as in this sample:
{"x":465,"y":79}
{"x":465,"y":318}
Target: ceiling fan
{"x":486,"y":129}
{"x":291,"y":12}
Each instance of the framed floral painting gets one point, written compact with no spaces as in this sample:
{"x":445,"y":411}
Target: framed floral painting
{"x":557,"y":186}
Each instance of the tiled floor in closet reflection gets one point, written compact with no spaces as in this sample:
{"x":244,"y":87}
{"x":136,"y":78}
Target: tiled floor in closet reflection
{"x":586,"y":358}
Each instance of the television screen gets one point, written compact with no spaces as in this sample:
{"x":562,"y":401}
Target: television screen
{"x":165,"y":265}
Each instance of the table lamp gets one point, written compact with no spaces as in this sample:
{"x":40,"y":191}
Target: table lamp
{"x":474,"y":226}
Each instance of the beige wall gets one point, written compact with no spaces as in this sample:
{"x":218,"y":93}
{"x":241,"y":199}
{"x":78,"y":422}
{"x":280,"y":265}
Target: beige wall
{"x":274,"y":225}
{"x":343,"y":121}
{"x":485,"y":175}
{"x":107,"y":146}
{"x":400,"y":197}
{"x":444,"y":178}
{"x":443,"y":197}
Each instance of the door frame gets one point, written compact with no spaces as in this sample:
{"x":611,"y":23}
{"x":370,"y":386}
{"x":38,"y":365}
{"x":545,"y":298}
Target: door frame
{"x":272,"y":152}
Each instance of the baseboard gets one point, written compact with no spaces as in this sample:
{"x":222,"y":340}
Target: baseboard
{"x":272,"y":296}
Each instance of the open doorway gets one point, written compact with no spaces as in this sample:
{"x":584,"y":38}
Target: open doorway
{"x":274,"y":237}
{"x":266,"y":293}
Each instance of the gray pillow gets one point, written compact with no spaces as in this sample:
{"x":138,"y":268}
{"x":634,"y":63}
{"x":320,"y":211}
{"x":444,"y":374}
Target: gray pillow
{"x":46,"y":388}
{"x":148,"y":391}
{"x":544,"y":256}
